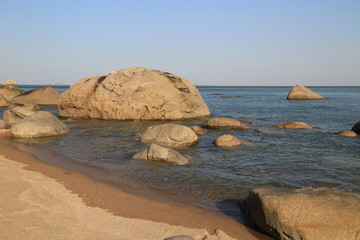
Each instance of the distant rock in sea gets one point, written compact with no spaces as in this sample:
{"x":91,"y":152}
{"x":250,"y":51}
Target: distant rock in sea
{"x":227,"y":140}
{"x":40,"y":96}
{"x":299,"y":92}
{"x":225,"y":123}
{"x":135,"y":93}
{"x":347,"y":133}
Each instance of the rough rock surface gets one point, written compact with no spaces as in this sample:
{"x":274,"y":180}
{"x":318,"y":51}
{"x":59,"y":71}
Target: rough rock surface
{"x":3,"y":102}
{"x":225,"y":123}
{"x":170,"y":135}
{"x":16,"y":114}
{"x":310,"y":214}
{"x":227,"y":141}
{"x":2,"y":124}
{"x":356,"y":127}
{"x":40,"y":96}
{"x":198,"y":130}
{"x":135,"y":93}
{"x":347,"y":133}
{"x":41,"y":124}
{"x":294,"y":125}
{"x":158,"y":153}
{"x":9,"y":92}
{"x":299,"y":92}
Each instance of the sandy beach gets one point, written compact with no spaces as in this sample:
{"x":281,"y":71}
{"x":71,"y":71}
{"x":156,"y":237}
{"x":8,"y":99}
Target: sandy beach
{"x":41,"y":201}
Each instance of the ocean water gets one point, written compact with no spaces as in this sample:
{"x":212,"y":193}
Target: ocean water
{"x":218,"y":177}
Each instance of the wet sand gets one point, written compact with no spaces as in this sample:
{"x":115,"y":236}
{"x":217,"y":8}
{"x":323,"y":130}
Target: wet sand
{"x":42,"y":201}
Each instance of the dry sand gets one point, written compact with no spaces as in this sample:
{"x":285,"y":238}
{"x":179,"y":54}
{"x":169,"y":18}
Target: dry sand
{"x":41,"y":201}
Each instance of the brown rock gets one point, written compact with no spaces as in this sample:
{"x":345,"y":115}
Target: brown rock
{"x":158,"y":153}
{"x":16,"y":114}
{"x":299,"y":92}
{"x":225,"y":123}
{"x":268,"y":131}
{"x":9,"y":92}
{"x":170,"y":135}
{"x":3,"y":102}
{"x":227,"y":141}
{"x":31,"y":107}
{"x":356,"y":127}
{"x":198,"y":130}
{"x":310,"y":214}
{"x":40,"y":96}
{"x":133,"y":94}
{"x":294,"y":125}
{"x":347,"y":133}
{"x":2,"y":124}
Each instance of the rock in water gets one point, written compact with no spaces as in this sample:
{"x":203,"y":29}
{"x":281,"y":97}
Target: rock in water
{"x":41,"y":124}
{"x":9,"y":92}
{"x":294,"y":125}
{"x":356,"y":127}
{"x":225,"y":123}
{"x":158,"y":153}
{"x":135,"y":93}
{"x":16,"y":114}
{"x":3,"y":102}
{"x":198,"y":130}
{"x":347,"y":133}
{"x":299,"y":92}
{"x":227,"y":141}
{"x":310,"y":214}
{"x":40,"y":96}
{"x":170,"y":135}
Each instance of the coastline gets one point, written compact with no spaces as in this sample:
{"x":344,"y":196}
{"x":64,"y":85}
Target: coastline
{"x":126,"y":205}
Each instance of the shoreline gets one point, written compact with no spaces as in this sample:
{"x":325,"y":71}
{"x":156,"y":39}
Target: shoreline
{"x":128,"y":205}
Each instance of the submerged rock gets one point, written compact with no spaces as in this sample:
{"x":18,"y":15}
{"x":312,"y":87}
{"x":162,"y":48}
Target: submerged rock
{"x":347,"y":133}
{"x":170,"y":135}
{"x":41,"y":124}
{"x":299,"y":92}
{"x":310,"y":214}
{"x":158,"y":153}
{"x":40,"y":96}
{"x":356,"y":127}
{"x":227,"y":141}
{"x":135,"y":93}
{"x":294,"y":125}
{"x":225,"y":123}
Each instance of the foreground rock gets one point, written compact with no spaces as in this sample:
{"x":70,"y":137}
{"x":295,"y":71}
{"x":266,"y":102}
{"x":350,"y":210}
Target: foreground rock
{"x":40,"y":96}
{"x":16,"y":114}
{"x":227,"y":141}
{"x":299,"y":92}
{"x":133,"y":94}
{"x":225,"y":123}
{"x":158,"y":153}
{"x":347,"y":133}
{"x":310,"y":214}
{"x":7,"y":93}
{"x":294,"y":125}
{"x":41,"y":124}
{"x":356,"y":128}
{"x":170,"y":135}
{"x":198,"y":130}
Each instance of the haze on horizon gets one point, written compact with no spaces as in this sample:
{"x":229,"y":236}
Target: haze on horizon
{"x":243,"y":43}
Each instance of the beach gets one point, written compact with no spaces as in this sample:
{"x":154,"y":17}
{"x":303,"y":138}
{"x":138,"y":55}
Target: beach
{"x":42,"y":201}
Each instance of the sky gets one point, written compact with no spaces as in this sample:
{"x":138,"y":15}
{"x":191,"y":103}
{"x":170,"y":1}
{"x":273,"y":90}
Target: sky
{"x":208,"y":42}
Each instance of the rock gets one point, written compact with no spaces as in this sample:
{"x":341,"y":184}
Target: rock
{"x":40,"y":96}
{"x":135,"y":93}
{"x":299,"y":92}
{"x":2,"y":124}
{"x":219,"y":94}
{"x":310,"y":214}
{"x":31,"y":107}
{"x":3,"y":102}
{"x":356,"y":127}
{"x":347,"y":133}
{"x":294,"y":125}
{"x":170,"y":135}
{"x":5,"y":132}
{"x":225,"y":123}
{"x":198,"y":130}
{"x":16,"y":114}
{"x":41,"y":124}
{"x":268,"y":131}
{"x":180,"y":237}
{"x":227,"y":141}
{"x":158,"y":153}
{"x":9,"y":92}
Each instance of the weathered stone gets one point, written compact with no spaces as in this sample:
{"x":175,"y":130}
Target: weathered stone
{"x":133,"y":94}
{"x":9,"y":92}
{"x":347,"y":133}
{"x":16,"y":114}
{"x":2,"y":124}
{"x":170,"y":135}
{"x":198,"y":130}
{"x":294,"y":125}
{"x":356,"y":127}
{"x":225,"y":123}
{"x":310,"y":214}
{"x":299,"y":92}
{"x":158,"y":153}
{"x":41,"y":124}
{"x":40,"y":96}
{"x":268,"y":131}
{"x":3,"y":102}
{"x":227,"y":141}
{"x":31,"y":107}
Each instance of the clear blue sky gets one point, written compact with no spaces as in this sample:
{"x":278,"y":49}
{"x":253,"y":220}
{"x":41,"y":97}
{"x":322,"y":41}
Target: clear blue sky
{"x":246,"y":43}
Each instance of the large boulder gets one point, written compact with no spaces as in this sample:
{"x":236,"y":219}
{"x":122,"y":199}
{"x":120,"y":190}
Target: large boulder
{"x":135,"y":93}
{"x":170,"y":135}
{"x":225,"y":123}
{"x":40,"y":96}
{"x":227,"y":141}
{"x":294,"y":125}
{"x":9,"y":92}
{"x":356,"y":127}
{"x":299,"y":92}
{"x":305,"y":214}
{"x":158,"y":153}
{"x":41,"y":124}
{"x":16,"y":114}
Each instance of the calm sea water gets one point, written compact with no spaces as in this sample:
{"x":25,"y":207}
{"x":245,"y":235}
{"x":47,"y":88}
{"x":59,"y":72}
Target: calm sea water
{"x":217,"y":176}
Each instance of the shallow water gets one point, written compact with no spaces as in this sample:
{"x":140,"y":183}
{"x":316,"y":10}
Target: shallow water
{"x":296,"y":158}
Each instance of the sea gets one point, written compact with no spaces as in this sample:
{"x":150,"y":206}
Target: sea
{"x":218,"y":178}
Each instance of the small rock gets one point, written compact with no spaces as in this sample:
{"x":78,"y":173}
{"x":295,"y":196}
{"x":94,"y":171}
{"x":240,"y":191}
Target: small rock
{"x":268,"y":131}
{"x":356,"y":127}
{"x":227,"y":141}
{"x":198,"y":130}
{"x":219,"y":94}
{"x":299,"y":92}
{"x":294,"y":125}
{"x":225,"y":123}
{"x":347,"y":133}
